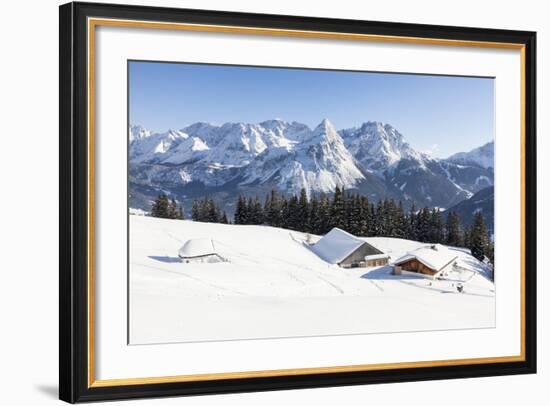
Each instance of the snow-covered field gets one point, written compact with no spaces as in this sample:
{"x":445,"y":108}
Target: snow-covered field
{"x":273,"y":285}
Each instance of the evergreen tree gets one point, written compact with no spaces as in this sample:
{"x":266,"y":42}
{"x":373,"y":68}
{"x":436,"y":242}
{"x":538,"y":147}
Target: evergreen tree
{"x":302,"y":217}
{"x":266,"y":210}
{"x":365,"y":216}
{"x":400,"y":223}
{"x":161,"y":207}
{"x":379,"y":223}
{"x":423,"y":225}
{"x":412,"y":224}
{"x":293,"y":217}
{"x":240,"y":211}
{"x":452,"y":230}
{"x":355,"y":210}
{"x":285,"y":215}
{"x":195,"y":211}
{"x":223,"y":219}
{"x":324,"y":220}
{"x":479,"y":242}
{"x":256,"y":212}
{"x":490,"y":253}
{"x":314,"y":219}
{"x":466,"y":233}
{"x":275,"y":210}
{"x":172,"y":209}
{"x":337,"y":210}
{"x":435,"y":227}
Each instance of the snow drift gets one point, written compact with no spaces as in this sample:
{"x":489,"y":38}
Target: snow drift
{"x":273,"y":285}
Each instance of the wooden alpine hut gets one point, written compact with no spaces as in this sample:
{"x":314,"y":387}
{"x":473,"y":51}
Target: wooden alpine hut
{"x":344,"y":249}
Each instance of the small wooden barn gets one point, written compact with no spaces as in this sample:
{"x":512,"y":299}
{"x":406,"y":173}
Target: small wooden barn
{"x":346,"y":250}
{"x":432,"y":260}
{"x":201,"y":250}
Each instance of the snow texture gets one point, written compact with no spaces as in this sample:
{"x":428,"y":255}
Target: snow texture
{"x":272,"y":285}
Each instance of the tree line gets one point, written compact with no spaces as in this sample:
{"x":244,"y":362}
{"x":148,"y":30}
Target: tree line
{"x":351,"y":212}
{"x":206,"y":210}
{"x":359,"y":216}
{"x":167,"y":208}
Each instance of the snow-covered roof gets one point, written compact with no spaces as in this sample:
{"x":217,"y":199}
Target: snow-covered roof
{"x":376,"y":256}
{"x":198,"y":247}
{"x":336,"y":245}
{"x":435,"y":256}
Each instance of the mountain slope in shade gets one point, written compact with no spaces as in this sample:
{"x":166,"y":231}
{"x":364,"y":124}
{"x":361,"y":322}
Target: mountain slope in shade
{"x":223,"y":161}
{"x":483,"y":156}
{"x":482,"y":202}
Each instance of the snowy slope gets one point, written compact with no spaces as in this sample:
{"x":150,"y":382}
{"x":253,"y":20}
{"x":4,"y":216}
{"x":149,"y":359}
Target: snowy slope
{"x":273,"y":285}
{"x":483,"y":156}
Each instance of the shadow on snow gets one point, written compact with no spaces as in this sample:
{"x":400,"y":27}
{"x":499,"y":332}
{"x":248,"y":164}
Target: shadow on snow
{"x":166,"y":259}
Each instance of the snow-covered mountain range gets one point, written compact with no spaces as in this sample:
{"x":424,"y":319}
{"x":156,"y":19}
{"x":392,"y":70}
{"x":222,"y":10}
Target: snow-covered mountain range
{"x":224,"y":161}
{"x":483,"y":156}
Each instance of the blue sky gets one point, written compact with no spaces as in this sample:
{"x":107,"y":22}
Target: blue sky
{"x":437,"y":114}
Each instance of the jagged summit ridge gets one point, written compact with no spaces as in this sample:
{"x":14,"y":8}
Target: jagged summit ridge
{"x":231,"y":158}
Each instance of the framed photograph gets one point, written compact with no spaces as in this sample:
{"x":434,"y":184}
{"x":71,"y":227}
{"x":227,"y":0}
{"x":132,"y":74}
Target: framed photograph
{"x":258,"y":202}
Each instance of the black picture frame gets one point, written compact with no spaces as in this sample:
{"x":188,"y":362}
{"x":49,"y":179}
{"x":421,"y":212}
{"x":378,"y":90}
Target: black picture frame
{"x":74,"y":200}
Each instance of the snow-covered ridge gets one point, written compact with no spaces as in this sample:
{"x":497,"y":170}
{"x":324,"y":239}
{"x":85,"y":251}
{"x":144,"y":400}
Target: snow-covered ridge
{"x":373,"y":157}
{"x":483,"y":156}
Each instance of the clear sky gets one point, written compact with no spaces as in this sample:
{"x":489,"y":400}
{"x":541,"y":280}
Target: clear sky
{"x":436,"y":114}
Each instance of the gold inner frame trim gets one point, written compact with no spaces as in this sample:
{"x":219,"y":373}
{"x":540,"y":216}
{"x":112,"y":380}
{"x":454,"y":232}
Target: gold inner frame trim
{"x":94,"y":22}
